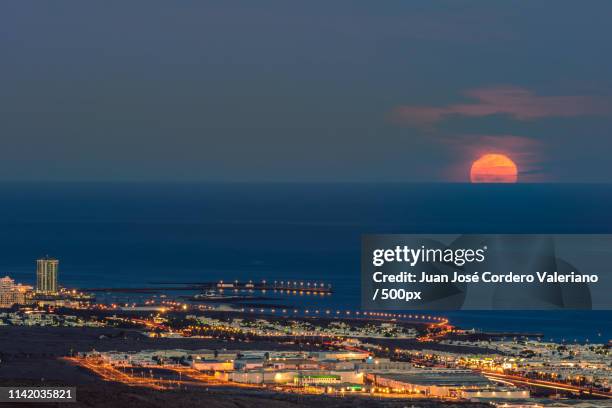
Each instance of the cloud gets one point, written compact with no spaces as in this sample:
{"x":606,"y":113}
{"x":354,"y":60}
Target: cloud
{"x":518,"y":103}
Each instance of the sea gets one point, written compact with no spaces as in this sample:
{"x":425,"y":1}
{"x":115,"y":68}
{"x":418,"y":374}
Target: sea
{"x":132,"y":234}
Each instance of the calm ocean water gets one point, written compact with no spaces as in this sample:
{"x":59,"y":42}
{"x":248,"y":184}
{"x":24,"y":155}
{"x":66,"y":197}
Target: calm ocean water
{"x":130,"y":234}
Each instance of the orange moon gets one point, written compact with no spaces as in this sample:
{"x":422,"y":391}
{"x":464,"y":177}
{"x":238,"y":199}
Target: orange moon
{"x":494,"y":168}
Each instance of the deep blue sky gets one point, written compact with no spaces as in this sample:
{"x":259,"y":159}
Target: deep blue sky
{"x":303,"y":91}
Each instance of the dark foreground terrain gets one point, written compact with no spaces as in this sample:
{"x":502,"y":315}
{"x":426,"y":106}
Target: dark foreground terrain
{"x":30,"y":356}
{"x":110,"y":395}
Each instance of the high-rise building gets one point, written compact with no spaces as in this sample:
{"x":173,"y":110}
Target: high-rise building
{"x":46,"y":275}
{"x":11,"y":294}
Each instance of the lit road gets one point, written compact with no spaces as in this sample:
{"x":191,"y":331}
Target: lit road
{"x":515,"y":379}
{"x":110,"y":373}
{"x":193,"y":377}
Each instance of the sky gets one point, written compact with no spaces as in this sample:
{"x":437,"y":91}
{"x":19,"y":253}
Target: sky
{"x":310,"y":91}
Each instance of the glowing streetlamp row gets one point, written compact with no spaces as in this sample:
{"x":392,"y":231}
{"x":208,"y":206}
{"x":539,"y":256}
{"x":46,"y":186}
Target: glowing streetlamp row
{"x":347,"y":313}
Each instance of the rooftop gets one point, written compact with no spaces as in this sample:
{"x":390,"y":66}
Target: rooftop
{"x":439,"y":379}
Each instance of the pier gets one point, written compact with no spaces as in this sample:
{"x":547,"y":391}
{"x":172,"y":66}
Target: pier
{"x":292,"y":286}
